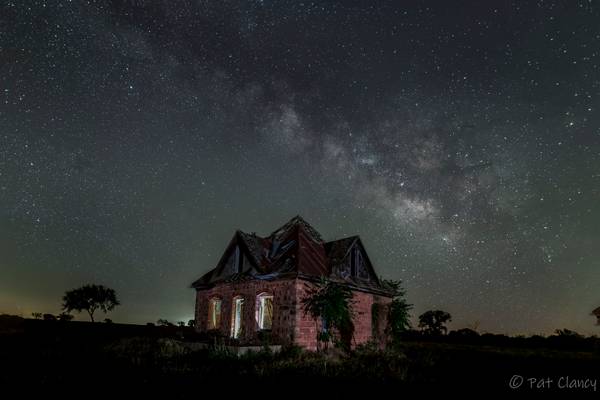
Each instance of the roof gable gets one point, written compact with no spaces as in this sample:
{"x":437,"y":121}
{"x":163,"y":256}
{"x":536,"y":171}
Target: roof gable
{"x":341,"y":259}
{"x":295,"y":248}
{"x":247,"y":251}
{"x":293,"y":224}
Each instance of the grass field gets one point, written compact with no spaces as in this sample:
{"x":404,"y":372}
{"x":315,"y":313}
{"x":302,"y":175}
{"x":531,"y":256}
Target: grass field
{"x":70,"y":357}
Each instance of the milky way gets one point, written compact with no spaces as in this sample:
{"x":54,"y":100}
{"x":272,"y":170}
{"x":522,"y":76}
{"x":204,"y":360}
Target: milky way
{"x":460,"y":141}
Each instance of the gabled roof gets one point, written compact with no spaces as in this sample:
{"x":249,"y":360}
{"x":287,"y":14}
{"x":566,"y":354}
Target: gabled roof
{"x":254,"y":245}
{"x":294,"y":249}
{"x":337,"y":250}
{"x":337,"y":253}
{"x":250,"y":245}
{"x":294,"y":223}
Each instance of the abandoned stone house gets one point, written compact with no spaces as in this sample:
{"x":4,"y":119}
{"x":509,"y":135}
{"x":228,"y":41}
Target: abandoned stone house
{"x":257,"y":287}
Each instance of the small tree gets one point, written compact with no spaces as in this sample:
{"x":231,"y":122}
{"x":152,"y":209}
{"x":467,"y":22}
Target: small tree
{"x":36,"y":315}
{"x":398,"y":320}
{"x":596,"y":313}
{"x":191,"y":323}
{"x":90,"y":298}
{"x":63,"y":316}
{"x":567,"y":333}
{"x":331,"y":303}
{"x":433,"y":322}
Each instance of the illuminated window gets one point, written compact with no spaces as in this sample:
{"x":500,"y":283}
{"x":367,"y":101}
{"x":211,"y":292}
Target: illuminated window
{"x":214,"y":313}
{"x":264,"y":311}
{"x":237,"y":313}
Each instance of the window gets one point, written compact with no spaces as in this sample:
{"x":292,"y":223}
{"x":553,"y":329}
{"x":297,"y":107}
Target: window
{"x":324,"y":325}
{"x":237,"y":314}
{"x":264,"y":311}
{"x":238,"y":260}
{"x":214,"y":313}
{"x":355,"y":262}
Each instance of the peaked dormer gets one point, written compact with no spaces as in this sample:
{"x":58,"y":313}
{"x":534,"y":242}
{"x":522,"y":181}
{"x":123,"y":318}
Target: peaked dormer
{"x":349,"y":260}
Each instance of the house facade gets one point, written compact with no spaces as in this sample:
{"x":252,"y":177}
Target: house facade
{"x":257,"y":287}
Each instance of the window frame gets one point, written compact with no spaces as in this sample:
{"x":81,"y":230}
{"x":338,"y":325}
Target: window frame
{"x":214,"y":313}
{"x":356,"y":261}
{"x":261,"y":299}
{"x":237,"y":333}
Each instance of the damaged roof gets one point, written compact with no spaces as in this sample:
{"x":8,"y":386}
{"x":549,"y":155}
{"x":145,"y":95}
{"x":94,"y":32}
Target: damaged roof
{"x":296,"y":249}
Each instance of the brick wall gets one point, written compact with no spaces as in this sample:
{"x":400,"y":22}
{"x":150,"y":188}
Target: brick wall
{"x":290,"y":324}
{"x":362,"y":303}
{"x":382,"y":304}
{"x":306,"y":328}
{"x":283,"y":308}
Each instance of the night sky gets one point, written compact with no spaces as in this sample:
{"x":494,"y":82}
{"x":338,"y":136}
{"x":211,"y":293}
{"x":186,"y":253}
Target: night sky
{"x":460,"y":140}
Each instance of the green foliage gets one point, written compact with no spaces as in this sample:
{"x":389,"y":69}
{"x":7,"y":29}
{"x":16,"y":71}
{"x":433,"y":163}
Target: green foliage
{"x":63,"y":316}
{"x":148,"y":351}
{"x":399,"y":317}
{"x":398,"y":320}
{"x":291,"y":351}
{"x":265,"y":337}
{"x":191,"y":323}
{"x":90,"y":298}
{"x":331,"y":303}
{"x":433,"y":322}
{"x":159,"y":362}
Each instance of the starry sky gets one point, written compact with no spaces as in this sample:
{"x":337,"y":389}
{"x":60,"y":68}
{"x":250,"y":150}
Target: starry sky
{"x":460,"y":140}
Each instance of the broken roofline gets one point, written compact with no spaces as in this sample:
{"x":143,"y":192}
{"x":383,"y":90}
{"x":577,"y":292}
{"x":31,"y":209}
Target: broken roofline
{"x":297,"y":220}
{"x":298,"y":275}
{"x":365,"y":289}
{"x":319,"y":260}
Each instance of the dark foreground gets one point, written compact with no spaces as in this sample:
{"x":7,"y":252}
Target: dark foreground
{"x":71,"y":358}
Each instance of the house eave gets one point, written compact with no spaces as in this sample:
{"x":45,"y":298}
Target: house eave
{"x":352,"y":286}
{"x":246,"y":278}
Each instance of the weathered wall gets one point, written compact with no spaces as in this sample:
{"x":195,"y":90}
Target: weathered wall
{"x":290,"y":323}
{"x":362,"y":317}
{"x":283,"y":308}
{"x":382,"y":306}
{"x":306,"y":328}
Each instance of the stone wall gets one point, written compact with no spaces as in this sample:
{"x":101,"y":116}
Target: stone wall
{"x":290,"y":323}
{"x":283,"y":308}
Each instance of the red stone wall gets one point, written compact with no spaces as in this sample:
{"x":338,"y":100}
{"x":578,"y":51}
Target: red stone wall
{"x":379,"y":331}
{"x":283,"y":308}
{"x":362,"y":303}
{"x":290,"y":324}
{"x":306,"y":328}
